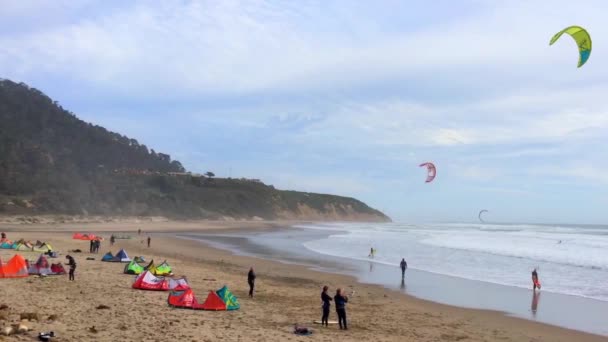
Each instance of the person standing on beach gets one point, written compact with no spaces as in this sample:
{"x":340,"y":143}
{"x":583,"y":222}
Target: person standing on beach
{"x":112,"y":240}
{"x":251,"y":281}
{"x":535,"y":282}
{"x":326,"y":304}
{"x":341,"y":301}
{"x":91,"y":246}
{"x":403,"y":267}
{"x":139,"y":231}
{"x":72,"y":264}
{"x":149,"y":239}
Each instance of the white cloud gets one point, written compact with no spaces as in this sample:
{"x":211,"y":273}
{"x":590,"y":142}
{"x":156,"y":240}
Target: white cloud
{"x":233,"y":47}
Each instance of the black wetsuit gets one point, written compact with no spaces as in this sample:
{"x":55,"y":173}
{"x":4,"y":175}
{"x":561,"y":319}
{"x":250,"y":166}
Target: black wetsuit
{"x":341,"y":310}
{"x":403,"y":268}
{"x":326,"y":304}
{"x":251,"y":282}
{"x":72,"y":264}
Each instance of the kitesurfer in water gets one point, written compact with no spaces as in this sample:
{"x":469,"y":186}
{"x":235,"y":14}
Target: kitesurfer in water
{"x":535,"y":282}
{"x":371,"y":252}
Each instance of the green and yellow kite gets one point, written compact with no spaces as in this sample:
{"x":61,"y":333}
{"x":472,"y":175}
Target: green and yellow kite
{"x":582,"y":39}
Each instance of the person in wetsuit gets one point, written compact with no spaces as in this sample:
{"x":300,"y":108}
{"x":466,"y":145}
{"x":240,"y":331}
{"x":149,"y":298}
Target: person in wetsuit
{"x":341,"y":301}
{"x":326,"y":304}
{"x":403,"y":265}
{"x":72,"y":264}
{"x":251,"y":281}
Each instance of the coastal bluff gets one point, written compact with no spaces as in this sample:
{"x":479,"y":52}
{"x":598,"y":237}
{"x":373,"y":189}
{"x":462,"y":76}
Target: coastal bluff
{"x":53,"y":163}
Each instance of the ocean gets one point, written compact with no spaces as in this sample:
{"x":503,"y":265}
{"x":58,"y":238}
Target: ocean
{"x":483,"y":266}
{"x":570,"y":259}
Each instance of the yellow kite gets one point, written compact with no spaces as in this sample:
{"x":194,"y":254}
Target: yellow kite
{"x":582,"y":39}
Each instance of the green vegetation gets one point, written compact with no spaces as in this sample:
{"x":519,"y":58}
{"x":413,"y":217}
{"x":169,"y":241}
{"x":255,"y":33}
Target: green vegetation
{"x":51,"y":162}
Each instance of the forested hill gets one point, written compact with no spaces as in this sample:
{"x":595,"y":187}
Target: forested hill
{"x":51,"y":162}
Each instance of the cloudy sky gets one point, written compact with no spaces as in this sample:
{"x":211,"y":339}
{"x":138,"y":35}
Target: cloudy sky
{"x":344,"y":97}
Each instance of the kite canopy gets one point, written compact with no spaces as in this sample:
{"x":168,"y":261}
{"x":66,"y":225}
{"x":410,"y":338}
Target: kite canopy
{"x":582,"y":39}
{"x":479,"y":215}
{"x":431,"y":171}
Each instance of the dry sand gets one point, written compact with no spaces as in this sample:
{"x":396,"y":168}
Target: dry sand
{"x":286,"y":294}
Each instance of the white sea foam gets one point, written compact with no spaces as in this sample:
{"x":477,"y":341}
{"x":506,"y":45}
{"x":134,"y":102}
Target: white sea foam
{"x":502,"y":254}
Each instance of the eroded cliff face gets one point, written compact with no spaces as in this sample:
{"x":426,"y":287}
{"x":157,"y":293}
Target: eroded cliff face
{"x":332,"y":212}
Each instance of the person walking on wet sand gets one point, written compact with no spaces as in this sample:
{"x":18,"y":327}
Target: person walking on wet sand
{"x":112,"y":240}
{"x":72,"y":264}
{"x":149,"y":239}
{"x":251,"y":281}
{"x":341,"y":301}
{"x":326,"y":304}
{"x":535,"y":282}
{"x":403,"y":267}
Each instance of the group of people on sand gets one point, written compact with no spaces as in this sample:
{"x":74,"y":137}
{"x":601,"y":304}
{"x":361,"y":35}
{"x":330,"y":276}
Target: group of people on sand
{"x":94,"y":246}
{"x":340,"y":300}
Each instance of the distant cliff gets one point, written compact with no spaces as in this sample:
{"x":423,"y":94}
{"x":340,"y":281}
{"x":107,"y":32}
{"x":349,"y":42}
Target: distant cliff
{"x":51,"y":162}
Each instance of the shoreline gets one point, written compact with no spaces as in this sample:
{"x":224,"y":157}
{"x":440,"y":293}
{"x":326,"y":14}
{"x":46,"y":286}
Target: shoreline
{"x":582,"y":314}
{"x":290,"y":289}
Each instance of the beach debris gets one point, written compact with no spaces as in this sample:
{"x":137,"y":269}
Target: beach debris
{"x":53,"y":317}
{"x":30,"y":316}
{"x":3,"y":307}
{"x":22,"y":328}
{"x":92,"y":330}
{"x":102,"y":307}
{"x":123,"y":327}
{"x":301,"y":330}
{"x":46,"y":336}
{"x":7,"y":331}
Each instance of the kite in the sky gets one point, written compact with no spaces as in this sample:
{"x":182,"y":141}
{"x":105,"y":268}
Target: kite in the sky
{"x":431,"y":171}
{"x":582,"y":39}
{"x":479,"y":215}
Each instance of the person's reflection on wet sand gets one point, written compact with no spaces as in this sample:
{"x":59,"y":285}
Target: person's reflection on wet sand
{"x":535,"y":299}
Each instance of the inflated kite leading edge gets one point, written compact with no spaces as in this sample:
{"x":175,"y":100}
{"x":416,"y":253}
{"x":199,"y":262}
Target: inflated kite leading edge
{"x":582,"y":39}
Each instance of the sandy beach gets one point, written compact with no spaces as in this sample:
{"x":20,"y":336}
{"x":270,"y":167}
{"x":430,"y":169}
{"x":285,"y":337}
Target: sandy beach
{"x":286,"y":294}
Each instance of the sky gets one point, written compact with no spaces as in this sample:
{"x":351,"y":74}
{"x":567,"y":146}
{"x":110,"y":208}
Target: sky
{"x":343,"y":97}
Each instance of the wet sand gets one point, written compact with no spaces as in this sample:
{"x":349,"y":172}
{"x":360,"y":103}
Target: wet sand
{"x":286,"y":294}
{"x":568,"y":311}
